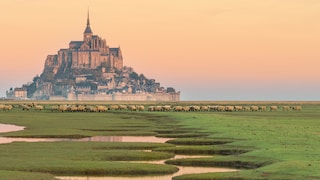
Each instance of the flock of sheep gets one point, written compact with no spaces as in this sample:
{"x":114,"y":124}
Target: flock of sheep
{"x":177,"y":108}
{"x":227,"y":108}
{"x":6,"y":107}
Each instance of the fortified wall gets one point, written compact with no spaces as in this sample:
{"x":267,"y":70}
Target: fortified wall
{"x":121,"y":97}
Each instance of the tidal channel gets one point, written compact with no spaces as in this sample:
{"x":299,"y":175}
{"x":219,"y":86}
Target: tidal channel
{"x":152,"y":139}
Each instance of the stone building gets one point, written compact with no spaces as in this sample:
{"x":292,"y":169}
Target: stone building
{"x":17,"y":93}
{"x":90,"y":53}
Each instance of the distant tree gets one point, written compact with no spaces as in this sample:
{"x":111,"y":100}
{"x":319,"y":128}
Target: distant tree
{"x":94,"y":86}
{"x":142,"y":77}
{"x":134,"y":75}
{"x":36,"y":78}
{"x":31,"y":89}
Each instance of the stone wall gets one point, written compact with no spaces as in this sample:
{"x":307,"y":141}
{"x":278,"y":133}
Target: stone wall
{"x":130,"y":97}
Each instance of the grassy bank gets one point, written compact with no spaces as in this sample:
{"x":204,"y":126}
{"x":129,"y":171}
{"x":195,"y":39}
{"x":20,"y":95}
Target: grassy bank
{"x":287,"y":143}
{"x":18,"y":175}
{"x":82,"y":158}
{"x":265,"y":145}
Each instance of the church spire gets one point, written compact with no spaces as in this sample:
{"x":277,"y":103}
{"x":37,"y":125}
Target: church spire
{"x":88,"y":28}
{"x":88,"y":20}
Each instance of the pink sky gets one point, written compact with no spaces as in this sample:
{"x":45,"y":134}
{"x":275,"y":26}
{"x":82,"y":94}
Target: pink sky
{"x":207,"y":49}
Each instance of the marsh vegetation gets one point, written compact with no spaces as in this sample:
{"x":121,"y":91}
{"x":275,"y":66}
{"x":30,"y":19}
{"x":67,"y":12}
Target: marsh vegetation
{"x":263,"y":145}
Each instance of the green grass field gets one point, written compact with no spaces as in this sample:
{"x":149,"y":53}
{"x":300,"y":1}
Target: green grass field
{"x":264,"y":145}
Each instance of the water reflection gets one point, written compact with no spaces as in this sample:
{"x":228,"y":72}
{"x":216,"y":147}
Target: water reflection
{"x":182,"y":170}
{"x":10,"y":128}
{"x":175,"y":157}
{"x":5,"y":140}
{"x":151,"y":139}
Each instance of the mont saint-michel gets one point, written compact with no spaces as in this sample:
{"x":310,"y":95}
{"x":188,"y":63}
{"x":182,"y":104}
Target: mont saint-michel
{"x":91,"y":70}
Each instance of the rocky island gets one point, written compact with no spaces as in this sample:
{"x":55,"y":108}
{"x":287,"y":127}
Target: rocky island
{"x":91,"y":70}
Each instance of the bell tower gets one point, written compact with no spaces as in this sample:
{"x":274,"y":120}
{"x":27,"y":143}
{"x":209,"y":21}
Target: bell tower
{"x":87,"y":34}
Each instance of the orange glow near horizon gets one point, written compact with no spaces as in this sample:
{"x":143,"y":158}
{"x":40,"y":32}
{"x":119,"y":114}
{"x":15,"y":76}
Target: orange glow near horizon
{"x":208,"y":44}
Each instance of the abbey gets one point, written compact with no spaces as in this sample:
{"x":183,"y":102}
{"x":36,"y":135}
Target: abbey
{"x":91,"y":70}
{"x":90,"y":53}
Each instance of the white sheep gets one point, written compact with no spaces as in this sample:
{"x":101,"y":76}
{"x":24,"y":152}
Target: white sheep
{"x":177,"y":108}
{"x":254,"y":108}
{"x":204,"y":108}
{"x":262,"y":108}
{"x":273,"y":108}
{"x":2,"y":106}
{"x":38,"y":108}
{"x":102,"y":108}
{"x":7,"y":107}
{"x":296,"y":108}
{"x":166,"y":108}
{"x":229,"y":108}
{"x":140,"y":107}
{"x":285,"y":108}
{"x":25,"y":107}
{"x":238,"y":108}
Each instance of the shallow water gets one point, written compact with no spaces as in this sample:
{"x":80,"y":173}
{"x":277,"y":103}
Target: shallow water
{"x":152,"y":139}
{"x":182,"y":170}
{"x":10,"y":128}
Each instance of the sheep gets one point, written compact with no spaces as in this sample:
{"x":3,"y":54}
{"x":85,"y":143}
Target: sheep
{"x":151,"y":108}
{"x":246,"y":108}
{"x":296,"y":108}
{"x":204,"y":108}
{"x":7,"y":107}
{"x":30,"y":104}
{"x":194,"y":108}
{"x":158,"y":108}
{"x":221,"y":108}
{"x":213,"y":108}
{"x":166,"y":108}
{"x":123,"y":107}
{"x":91,"y":109}
{"x":101,"y":108}
{"x":185,"y":108}
{"x":229,"y":108}
{"x":285,"y":108}
{"x":2,"y":106}
{"x":262,"y":108}
{"x":38,"y":108}
{"x":81,"y":108}
{"x":62,"y":108}
{"x":54,"y":108}
{"x":25,"y":107}
{"x":254,"y":108}
{"x":238,"y":108}
{"x":114,"y":107}
{"x":132,"y":108}
{"x":177,"y":108}
{"x":72,"y":108}
{"x":273,"y":108}
{"x":140,"y":107}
